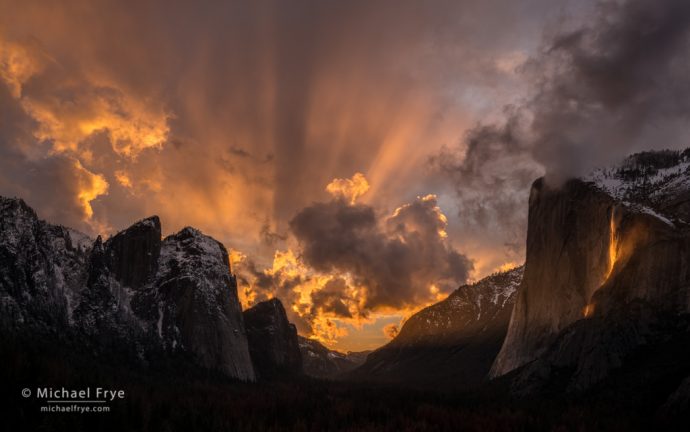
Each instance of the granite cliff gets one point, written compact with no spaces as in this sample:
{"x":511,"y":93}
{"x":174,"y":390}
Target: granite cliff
{"x":273,"y":340}
{"x":134,"y":294}
{"x":607,"y":275}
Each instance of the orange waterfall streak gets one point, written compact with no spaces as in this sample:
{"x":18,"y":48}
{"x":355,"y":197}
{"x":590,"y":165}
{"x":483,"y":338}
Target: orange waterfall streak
{"x":613,"y":246}
{"x":588,"y":310}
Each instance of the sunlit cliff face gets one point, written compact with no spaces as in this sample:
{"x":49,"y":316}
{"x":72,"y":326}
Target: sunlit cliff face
{"x":621,"y":245}
{"x":248,"y":119}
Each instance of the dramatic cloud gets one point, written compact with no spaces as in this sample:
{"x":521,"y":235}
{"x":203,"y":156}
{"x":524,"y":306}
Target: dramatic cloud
{"x":603,"y":86}
{"x":32,"y":177}
{"x":259,"y":104}
{"x":76,"y":104}
{"x":611,"y":86}
{"x":332,"y":299}
{"x":351,"y":263}
{"x":399,"y":261}
{"x":492,"y":179}
{"x":234,"y":117}
{"x":312,"y":300}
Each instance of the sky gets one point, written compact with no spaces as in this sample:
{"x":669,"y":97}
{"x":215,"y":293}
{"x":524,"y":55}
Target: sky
{"x":360,"y":160}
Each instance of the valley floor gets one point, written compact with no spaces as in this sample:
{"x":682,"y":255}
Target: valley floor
{"x":172,"y":398}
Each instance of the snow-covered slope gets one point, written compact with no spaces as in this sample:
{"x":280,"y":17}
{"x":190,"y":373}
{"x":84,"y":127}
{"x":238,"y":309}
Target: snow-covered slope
{"x":451,"y":343}
{"x":656,"y":183}
{"x":474,"y":305}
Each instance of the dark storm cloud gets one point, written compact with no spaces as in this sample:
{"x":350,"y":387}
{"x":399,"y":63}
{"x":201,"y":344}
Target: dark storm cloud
{"x":492,"y":178}
{"x":264,"y":284}
{"x":395,"y":260}
{"x":618,"y":82}
{"x":352,"y":262}
{"x":331,"y":299}
{"x":271,"y":238}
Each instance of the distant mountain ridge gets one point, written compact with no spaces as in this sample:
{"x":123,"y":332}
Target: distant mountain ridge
{"x":321,"y":362}
{"x":450,"y":344}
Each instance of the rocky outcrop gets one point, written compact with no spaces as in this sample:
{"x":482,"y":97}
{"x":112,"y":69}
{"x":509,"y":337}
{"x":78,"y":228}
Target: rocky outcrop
{"x":321,"y":362}
{"x":603,"y":277}
{"x":134,"y":294}
{"x":272,"y":340}
{"x":452,"y":343}
{"x":40,"y":270}
{"x":198,"y":307}
{"x":133,"y":253}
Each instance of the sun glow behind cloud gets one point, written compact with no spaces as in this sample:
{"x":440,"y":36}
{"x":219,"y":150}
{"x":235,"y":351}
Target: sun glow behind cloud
{"x":71,"y":112}
{"x":351,"y":269}
{"x":237,"y":116}
{"x":77,"y":111}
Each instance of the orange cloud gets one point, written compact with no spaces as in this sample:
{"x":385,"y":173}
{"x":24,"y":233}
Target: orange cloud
{"x":324,"y":299}
{"x":131,"y":125}
{"x":327,"y":331}
{"x":90,"y":186}
{"x":391,"y":330}
{"x":76,"y":107}
{"x":297,"y":285}
{"x":506,"y":266}
{"x":415,"y":224}
{"x":18,"y":63}
{"x":348,"y":189}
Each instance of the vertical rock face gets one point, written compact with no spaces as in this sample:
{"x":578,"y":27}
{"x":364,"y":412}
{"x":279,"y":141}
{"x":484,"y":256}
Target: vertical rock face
{"x":603,"y":278}
{"x":198,"y":307}
{"x":133,"y":253}
{"x":452,"y":343}
{"x":567,"y":260}
{"x":272,"y":340}
{"x":132,"y":294}
{"x":39,"y":270}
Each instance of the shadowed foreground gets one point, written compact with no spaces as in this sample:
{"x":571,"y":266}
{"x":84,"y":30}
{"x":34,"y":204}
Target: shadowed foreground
{"x":174,"y":397}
